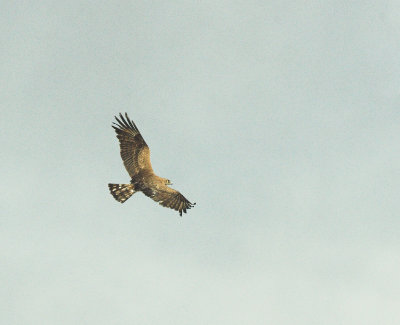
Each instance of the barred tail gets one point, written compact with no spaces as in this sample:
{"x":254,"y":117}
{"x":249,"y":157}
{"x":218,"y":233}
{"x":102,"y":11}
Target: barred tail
{"x":121,"y":192}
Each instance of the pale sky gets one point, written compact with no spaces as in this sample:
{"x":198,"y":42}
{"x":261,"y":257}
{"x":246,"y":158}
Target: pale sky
{"x":279,"y":118}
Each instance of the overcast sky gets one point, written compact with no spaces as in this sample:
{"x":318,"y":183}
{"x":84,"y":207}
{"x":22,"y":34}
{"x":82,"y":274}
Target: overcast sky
{"x":279,"y":118}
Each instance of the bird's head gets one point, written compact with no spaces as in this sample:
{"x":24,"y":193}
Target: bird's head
{"x":167,"y":182}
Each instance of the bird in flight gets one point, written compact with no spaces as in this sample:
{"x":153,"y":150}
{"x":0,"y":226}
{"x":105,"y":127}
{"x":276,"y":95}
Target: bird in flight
{"x":135,"y":154}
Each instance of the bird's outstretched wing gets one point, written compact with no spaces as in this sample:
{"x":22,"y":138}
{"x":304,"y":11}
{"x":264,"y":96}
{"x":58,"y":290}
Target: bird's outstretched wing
{"x":169,"y":198}
{"x":135,"y":153}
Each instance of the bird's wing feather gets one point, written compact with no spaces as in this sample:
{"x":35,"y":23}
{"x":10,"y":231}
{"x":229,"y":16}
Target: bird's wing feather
{"x":135,"y":153}
{"x":169,"y":198}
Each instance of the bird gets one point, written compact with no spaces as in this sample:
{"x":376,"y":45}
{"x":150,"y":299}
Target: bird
{"x":135,"y":154}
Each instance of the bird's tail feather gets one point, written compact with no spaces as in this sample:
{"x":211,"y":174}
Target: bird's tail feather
{"x":121,"y":192}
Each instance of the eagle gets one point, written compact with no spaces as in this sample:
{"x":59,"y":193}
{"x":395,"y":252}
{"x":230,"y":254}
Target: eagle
{"x":135,"y":154}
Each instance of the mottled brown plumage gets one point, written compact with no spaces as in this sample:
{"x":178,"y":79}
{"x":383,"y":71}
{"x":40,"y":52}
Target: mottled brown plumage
{"x":135,"y":154}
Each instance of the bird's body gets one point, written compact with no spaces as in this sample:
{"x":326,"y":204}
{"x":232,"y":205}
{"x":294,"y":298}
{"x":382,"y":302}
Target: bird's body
{"x":136,"y":157}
